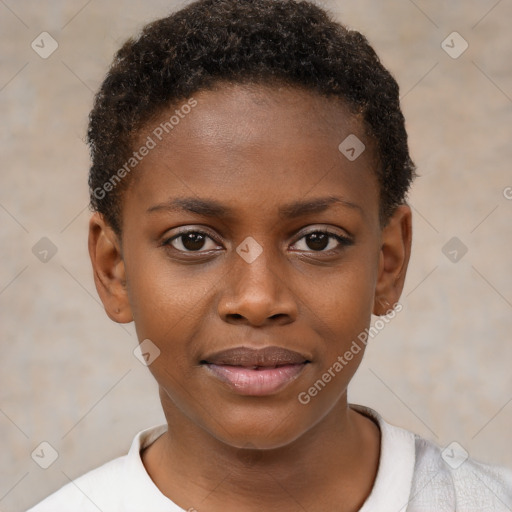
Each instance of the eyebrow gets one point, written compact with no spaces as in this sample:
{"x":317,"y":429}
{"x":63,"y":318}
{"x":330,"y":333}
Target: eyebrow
{"x":212,"y":208}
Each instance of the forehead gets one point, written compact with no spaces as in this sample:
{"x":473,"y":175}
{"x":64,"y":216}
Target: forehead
{"x":228,"y":112}
{"x":253,"y":145}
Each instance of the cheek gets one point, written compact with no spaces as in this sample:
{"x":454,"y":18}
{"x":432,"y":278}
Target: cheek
{"x":164,"y":298}
{"x":343,"y":315}
{"x":344,"y":300}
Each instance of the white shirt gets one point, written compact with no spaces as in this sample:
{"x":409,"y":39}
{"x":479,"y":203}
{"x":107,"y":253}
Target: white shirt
{"x":412,"y":476}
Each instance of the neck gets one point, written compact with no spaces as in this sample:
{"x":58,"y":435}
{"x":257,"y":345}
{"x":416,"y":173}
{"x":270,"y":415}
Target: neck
{"x":336,"y":460}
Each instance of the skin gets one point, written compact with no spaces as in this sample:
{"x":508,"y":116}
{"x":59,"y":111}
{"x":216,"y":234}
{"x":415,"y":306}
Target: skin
{"x":255,"y":149}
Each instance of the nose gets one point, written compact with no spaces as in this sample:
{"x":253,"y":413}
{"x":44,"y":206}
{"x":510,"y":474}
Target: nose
{"x":257,"y":293}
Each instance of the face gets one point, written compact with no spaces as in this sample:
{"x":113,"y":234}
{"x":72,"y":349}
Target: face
{"x":252,"y":257}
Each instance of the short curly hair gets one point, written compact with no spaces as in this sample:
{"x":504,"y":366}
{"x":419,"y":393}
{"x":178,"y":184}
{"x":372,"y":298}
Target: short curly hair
{"x":291,"y":42}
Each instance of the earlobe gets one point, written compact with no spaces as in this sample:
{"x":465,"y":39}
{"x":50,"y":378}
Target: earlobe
{"x":108,"y":269}
{"x":393,"y":260}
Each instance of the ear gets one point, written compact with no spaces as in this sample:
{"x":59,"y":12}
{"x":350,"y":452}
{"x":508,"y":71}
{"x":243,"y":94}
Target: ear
{"x":108,"y":268}
{"x":395,"y":251}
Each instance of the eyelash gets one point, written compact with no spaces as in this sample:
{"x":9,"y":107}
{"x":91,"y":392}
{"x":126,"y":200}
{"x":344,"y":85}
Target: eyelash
{"x":343,"y":241}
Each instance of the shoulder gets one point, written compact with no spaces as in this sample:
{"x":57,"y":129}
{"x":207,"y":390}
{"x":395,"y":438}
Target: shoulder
{"x":456,"y":481}
{"x":85,"y":492}
{"x":417,"y":475}
{"x":118,"y":485}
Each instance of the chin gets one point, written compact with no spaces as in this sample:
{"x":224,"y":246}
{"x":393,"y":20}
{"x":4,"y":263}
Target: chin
{"x":266,"y":431}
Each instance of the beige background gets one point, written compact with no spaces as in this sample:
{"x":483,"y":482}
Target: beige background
{"x":441,"y":368}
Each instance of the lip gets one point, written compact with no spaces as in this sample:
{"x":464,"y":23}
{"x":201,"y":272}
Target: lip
{"x":255,"y":372}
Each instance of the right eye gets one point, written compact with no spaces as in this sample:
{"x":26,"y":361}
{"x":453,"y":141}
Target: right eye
{"x":190,"y":241}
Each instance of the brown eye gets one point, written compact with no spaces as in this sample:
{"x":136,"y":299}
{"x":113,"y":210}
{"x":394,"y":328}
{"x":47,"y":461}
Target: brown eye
{"x":190,"y":241}
{"x":319,"y":241}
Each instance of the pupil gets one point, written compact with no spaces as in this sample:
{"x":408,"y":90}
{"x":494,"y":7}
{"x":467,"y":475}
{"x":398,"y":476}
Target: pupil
{"x":317,"y":241}
{"x":193,"y":241}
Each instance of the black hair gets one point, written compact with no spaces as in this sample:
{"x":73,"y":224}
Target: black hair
{"x":292,"y":42}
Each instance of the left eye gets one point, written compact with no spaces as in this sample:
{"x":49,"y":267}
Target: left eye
{"x":319,"y":241}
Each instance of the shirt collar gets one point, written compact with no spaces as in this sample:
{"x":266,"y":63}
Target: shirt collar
{"x":390,"y":491}
{"x":392,"y":486}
